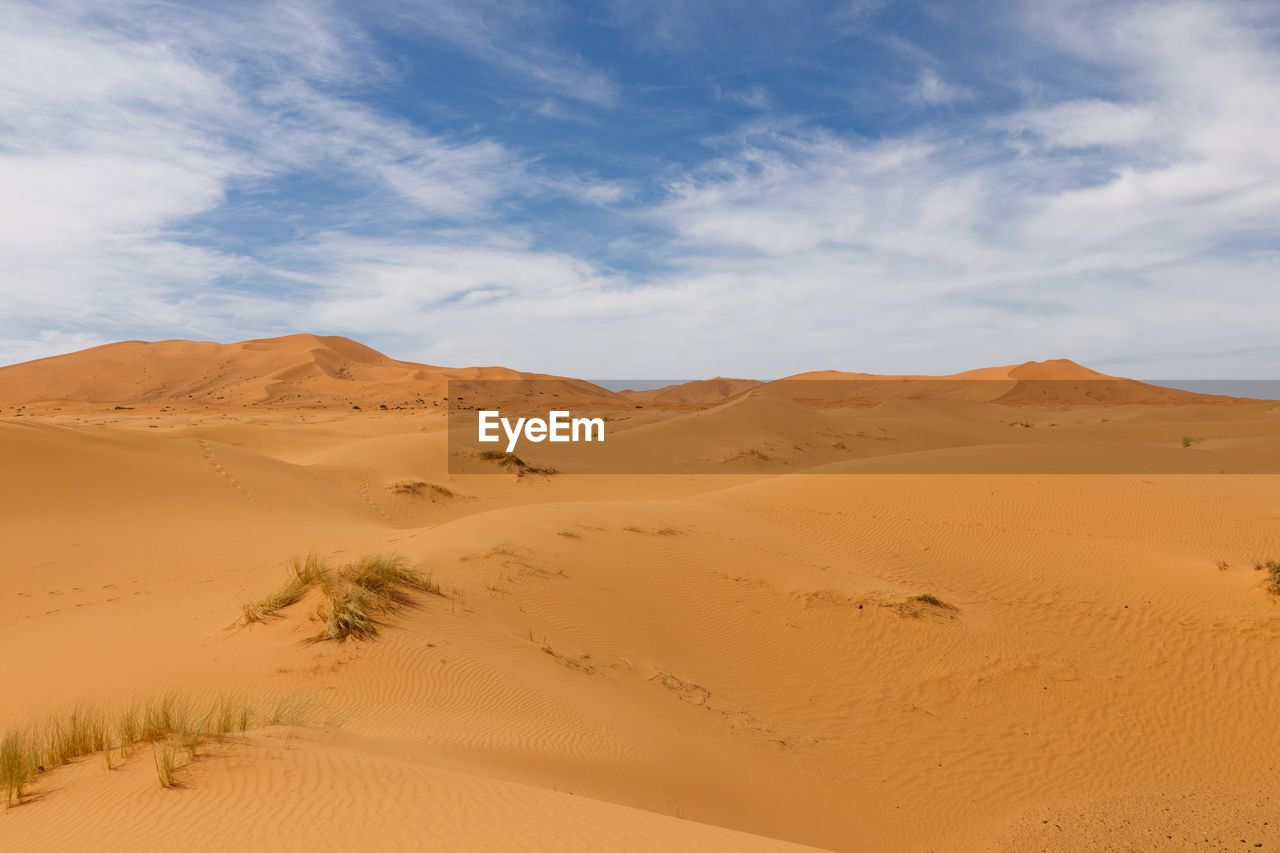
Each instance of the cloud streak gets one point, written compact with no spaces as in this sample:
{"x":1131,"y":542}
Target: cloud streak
{"x":1112,"y":201}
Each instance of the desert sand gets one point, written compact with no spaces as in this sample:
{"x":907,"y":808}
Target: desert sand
{"x":919,"y":635}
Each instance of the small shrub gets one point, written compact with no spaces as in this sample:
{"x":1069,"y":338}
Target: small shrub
{"x":418,"y":488}
{"x":1187,"y":440}
{"x":165,"y":754}
{"x":306,"y":573}
{"x":1272,"y":568}
{"x":289,"y":712}
{"x":510,"y":460}
{"x":355,"y":594}
{"x":18,"y":761}
{"x":167,"y":723}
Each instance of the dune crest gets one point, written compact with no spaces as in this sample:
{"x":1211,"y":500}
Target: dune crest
{"x":293,"y":371}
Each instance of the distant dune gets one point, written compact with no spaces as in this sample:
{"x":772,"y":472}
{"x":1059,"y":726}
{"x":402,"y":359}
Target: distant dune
{"x":1057,"y":382}
{"x":313,"y":371}
{"x":294,"y":371}
{"x":715,"y":390}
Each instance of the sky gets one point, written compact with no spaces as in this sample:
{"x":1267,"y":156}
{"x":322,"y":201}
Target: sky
{"x":650,"y":188}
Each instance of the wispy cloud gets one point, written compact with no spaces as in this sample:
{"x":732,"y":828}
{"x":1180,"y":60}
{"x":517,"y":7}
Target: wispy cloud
{"x":516,"y":35}
{"x":932,"y":89}
{"x":1104,"y":188}
{"x":755,"y":97}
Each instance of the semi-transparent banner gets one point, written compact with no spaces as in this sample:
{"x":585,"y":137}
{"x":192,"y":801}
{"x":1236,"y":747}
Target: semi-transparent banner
{"x":549,"y":427}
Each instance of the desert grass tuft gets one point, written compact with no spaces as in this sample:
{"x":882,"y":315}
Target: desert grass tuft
{"x":292,"y":711}
{"x":306,"y":572}
{"x":1272,"y":569}
{"x":356,"y":595}
{"x":361,"y":592}
{"x":18,"y":762}
{"x":165,"y":754}
{"x":168,"y":723}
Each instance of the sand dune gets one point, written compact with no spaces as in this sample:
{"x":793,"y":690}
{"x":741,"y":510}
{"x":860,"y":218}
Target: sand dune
{"x":714,"y":390}
{"x":1057,"y":382}
{"x":293,"y":371}
{"x":878,"y":655}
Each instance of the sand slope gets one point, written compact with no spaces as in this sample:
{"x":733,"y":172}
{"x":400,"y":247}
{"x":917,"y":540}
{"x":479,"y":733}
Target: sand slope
{"x":714,"y":390}
{"x":292,"y":371}
{"x":870,"y":661}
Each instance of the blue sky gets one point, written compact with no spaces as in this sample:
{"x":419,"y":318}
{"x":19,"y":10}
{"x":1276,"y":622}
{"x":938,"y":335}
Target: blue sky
{"x":650,"y":189}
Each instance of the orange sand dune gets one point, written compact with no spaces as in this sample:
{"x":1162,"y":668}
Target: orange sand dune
{"x":1053,"y":382}
{"x":292,"y":371}
{"x":713,"y":390}
{"x":1058,"y":382}
{"x":877,"y":655}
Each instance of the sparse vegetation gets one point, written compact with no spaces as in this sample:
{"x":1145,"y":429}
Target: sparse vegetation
{"x":749,"y":455}
{"x":1222,"y":565}
{"x":356,"y":594}
{"x":1187,"y":440}
{"x":661,"y":531}
{"x":305,"y":574}
{"x":289,"y":712}
{"x":1272,"y":569}
{"x":510,"y":460}
{"x":169,"y":724}
{"x":165,"y":754}
{"x":419,"y":488}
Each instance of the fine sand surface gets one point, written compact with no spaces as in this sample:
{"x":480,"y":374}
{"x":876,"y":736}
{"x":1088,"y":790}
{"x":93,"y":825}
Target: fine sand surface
{"x":866,"y":653}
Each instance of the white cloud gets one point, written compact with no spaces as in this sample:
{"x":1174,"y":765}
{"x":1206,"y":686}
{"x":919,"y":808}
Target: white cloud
{"x":932,"y":89}
{"x":114,"y":136}
{"x":755,"y":97}
{"x":1127,"y":225}
{"x":1086,"y":123}
{"x":513,"y":34}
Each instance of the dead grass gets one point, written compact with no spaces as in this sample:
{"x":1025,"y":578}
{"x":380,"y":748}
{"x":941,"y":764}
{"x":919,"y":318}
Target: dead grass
{"x":305,"y":573}
{"x":1272,"y":569}
{"x":171,"y":725}
{"x":420,"y":488}
{"x":926,"y":603}
{"x":510,"y":460}
{"x":749,"y":455}
{"x":356,"y":595}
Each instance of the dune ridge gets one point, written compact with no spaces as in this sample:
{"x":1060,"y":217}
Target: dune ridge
{"x":313,"y":371}
{"x":891,"y":659}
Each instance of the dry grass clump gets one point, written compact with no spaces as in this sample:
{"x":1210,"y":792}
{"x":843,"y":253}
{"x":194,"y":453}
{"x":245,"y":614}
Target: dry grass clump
{"x":926,"y":604}
{"x":169,"y":724}
{"x":1272,"y":568}
{"x":306,"y":573}
{"x":418,"y":488}
{"x":356,"y":595}
{"x":510,"y":460}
